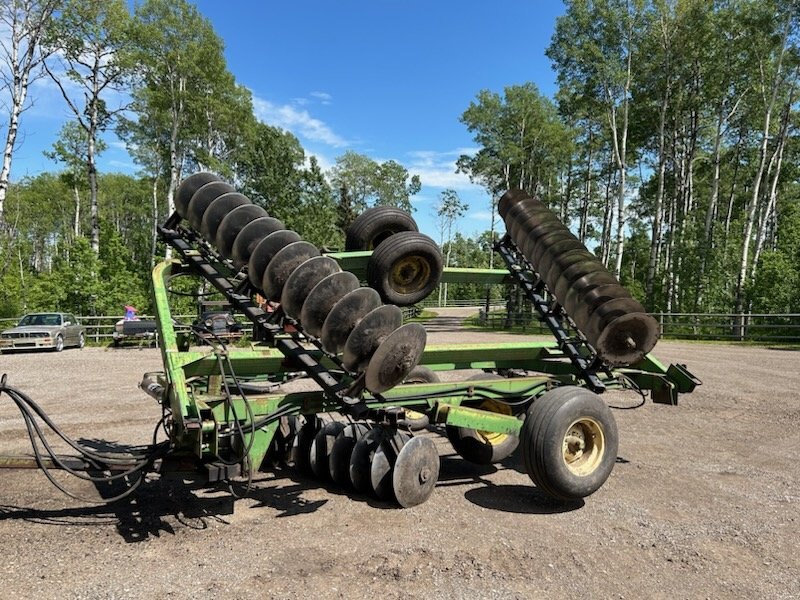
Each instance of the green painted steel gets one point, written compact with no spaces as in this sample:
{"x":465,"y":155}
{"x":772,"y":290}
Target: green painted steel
{"x":205,"y":415}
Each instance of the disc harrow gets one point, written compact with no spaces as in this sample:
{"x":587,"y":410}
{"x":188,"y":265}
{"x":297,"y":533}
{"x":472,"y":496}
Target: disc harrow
{"x":615,"y":324}
{"x":365,"y":421}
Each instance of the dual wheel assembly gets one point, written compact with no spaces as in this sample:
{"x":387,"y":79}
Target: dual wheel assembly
{"x":326,"y":303}
{"x":382,"y":462}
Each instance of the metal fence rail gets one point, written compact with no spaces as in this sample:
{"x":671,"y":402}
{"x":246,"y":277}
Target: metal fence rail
{"x":100,"y":329}
{"x":699,"y":326}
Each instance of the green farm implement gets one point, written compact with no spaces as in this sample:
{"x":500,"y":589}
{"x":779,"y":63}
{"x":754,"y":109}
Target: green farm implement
{"x":338,"y":385}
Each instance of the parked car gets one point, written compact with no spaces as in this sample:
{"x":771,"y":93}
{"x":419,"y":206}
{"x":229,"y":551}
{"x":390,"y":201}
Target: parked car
{"x":54,"y":331}
{"x":218,"y":325}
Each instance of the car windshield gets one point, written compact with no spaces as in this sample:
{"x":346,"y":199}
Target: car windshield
{"x":43,"y":319}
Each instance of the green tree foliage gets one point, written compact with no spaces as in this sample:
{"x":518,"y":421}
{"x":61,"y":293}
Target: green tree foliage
{"x":363,"y":182}
{"x":90,"y":46}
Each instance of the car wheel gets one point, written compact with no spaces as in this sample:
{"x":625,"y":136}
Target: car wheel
{"x":59,"y":343}
{"x":81,"y":341}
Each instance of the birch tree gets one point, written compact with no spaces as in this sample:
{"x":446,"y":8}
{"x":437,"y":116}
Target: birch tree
{"x":23,"y":23}
{"x":90,"y":43}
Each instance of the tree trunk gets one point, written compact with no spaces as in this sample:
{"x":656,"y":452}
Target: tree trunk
{"x":753,"y":204}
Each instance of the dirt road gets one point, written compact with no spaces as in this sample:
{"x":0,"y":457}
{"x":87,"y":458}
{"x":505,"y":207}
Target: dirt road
{"x":703,"y":503}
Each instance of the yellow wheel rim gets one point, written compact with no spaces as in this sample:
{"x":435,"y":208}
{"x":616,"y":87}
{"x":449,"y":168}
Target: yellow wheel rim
{"x":492,"y":437}
{"x":584,"y":446}
{"x":410,"y":274}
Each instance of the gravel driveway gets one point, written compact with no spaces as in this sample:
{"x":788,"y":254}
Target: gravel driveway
{"x":703,"y":503}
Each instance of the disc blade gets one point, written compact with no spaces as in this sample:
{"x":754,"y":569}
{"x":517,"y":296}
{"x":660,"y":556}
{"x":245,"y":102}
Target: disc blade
{"x":361,"y":459}
{"x":595,"y":298}
{"x":383,"y":462}
{"x":416,"y":471}
{"x":203,"y":198}
{"x":395,"y":357}
{"x":302,"y":281}
{"x":322,"y":298}
{"x":233,"y":223}
{"x":627,"y":338}
{"x":320,"y":451}
{"x":344,"y":316}
{"x":217,"y":211}
{"x":339,"y":462}
{"x":368,"y":334}
{"x":250,"y":236}
{"x":573,"y":297}
{"x":283,"y":264}
{"x":265,"y":250}
{"x":188,"y":188}
{"x":574,"y":272}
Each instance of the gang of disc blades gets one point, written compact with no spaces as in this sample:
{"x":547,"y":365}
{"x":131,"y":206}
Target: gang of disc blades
{"x":415,"y":472}
{"x":188,"y":188}
{"x":322,"y":298}
{"x":320,"y":451}
{"x":345,"y":315}
{"x":368,"y":334}
{"x":233,"y":223}
{"x":283,"y":264}
{"x":203,"y":198}
{"x":250,"y":236}
{"x":597,"y":297}
{"x":510,"y":198}
{"x":302,"y":281}
{"x":574,"y":272}
{"x":626,"y":335}
{"x":361,"y":459}
{"x":265,"y":250}
{"x":395,"y":357}
{"x":581,"y":286}
{"x":217,"y":211}
{"x":342,"y":451}
{"x":383,"y":462}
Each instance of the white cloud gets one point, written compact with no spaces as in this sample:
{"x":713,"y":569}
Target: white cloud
{"x":297,"y":120}
{"x":324,"y":97}
{"x":438,"y":169}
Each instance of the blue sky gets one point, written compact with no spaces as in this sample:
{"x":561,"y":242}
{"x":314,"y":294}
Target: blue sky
{"x":384,"y":78}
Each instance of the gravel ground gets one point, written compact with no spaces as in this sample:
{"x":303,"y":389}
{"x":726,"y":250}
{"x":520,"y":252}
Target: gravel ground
{"x":703,"y":503}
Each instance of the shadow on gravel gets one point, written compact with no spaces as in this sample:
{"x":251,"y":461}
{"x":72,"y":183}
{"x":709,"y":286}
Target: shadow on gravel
{"x":141,"y":515}
{"x":522,"y":499}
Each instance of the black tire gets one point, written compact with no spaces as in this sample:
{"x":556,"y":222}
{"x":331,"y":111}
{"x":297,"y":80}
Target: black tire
{"x":375,"y":225}
{"x":405,"y":268}
{"x":81,"y":341}
{"x":59,"y":343}
{"x":483,"y":447}
{"x":569,"y":442}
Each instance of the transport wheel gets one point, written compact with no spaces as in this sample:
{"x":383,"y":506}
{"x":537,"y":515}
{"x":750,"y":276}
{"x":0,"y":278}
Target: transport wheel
{"x":59,"y":343}
{"x":320,"y":452}
{"x":483,"y":447}
{"x":375,"y":225}
{"x":405,"y":268}
{"x":569,"y":442}
{"x":81,"y":341}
